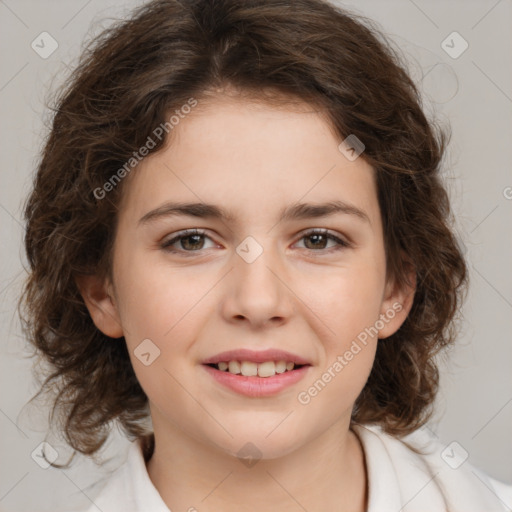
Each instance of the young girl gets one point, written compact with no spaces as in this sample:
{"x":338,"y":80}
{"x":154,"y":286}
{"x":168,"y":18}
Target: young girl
{"x":238,"y":231}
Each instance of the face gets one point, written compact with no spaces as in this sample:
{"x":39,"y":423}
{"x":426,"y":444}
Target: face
{"x":308,"y":287}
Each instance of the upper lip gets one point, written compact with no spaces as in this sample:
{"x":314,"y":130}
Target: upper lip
{"x":259,"y":356}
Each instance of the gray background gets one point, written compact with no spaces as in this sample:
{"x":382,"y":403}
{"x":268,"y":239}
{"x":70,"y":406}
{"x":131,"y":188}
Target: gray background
{"x":472,"y":92}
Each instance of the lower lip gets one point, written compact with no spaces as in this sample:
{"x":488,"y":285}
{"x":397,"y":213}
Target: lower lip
{"x":257,"y":386}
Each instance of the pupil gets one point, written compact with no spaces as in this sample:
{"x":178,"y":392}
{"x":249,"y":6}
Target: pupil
{"x":317,"y":237}
{"x":187,"y":238}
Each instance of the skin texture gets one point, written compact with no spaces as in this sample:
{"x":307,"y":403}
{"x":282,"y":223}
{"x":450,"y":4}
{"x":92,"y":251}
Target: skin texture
{"x":252,"y":159}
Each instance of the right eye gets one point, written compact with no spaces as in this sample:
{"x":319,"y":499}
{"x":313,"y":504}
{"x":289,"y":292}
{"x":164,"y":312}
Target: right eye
{"x":191,"y":240}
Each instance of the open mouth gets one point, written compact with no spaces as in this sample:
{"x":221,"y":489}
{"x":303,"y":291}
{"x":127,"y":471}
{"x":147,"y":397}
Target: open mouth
{"x":257,"y":379}
{"x":252,"y":369}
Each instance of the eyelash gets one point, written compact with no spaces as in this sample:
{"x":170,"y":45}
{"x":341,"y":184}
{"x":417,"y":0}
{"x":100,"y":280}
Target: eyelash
{"x":166,"y":246}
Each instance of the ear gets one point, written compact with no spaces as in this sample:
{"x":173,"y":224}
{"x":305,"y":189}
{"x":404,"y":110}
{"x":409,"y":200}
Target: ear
{"x":99,"y":299}
{"x":397,"y":302}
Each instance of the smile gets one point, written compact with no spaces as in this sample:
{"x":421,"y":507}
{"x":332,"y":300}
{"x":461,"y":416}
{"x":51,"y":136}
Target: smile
{"x":252,"y":369}
{"x":256,"y":379}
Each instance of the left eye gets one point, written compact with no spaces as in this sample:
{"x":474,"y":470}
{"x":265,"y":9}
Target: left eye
{"x":320,"y":237}
{"x":193,"y":240}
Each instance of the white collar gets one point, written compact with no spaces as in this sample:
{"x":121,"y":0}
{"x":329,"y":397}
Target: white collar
{"x":399,"y":480}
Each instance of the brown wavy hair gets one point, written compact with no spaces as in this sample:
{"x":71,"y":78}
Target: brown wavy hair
{"x":128,"y":80}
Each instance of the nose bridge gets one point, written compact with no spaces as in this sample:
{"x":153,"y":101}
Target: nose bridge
{"x":253,"y":262}
{"x":256,"y":290}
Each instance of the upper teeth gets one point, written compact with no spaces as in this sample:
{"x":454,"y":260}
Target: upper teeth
{"x":250,"y":369}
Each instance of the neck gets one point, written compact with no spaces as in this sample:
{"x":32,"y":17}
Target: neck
{"x":326,"y":474}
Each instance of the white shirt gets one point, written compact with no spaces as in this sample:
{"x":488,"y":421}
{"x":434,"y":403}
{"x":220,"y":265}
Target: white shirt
{"x":399,"y":480}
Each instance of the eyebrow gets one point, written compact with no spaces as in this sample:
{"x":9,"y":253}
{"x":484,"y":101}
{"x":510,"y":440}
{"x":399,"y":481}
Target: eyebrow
{"x":293,"y":212}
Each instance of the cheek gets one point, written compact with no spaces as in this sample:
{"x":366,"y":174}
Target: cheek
{"x":157,"y":301}
{"x":161,"y":305}
{"x":349,"y":308}
{"x":346,"y":300}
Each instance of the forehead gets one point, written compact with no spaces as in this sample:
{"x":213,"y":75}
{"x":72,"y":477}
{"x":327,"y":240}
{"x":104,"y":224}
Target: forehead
{"x":250,"y":157}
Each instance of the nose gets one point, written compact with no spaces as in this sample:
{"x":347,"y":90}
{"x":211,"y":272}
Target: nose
{"x":256,"y":291}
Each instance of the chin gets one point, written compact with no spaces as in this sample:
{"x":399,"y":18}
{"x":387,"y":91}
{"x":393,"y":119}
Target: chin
{"x":260,"y":439}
